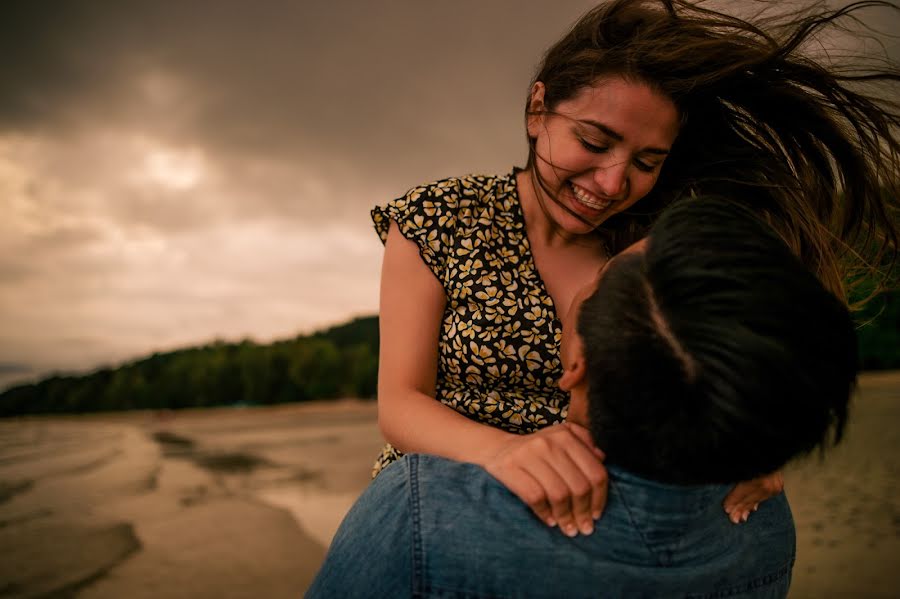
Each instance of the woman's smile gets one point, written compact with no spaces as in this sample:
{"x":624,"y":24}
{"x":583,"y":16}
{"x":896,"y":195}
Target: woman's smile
{"x":588,"y":199}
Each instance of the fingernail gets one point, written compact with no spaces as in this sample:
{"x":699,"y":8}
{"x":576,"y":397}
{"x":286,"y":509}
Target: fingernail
{"x":734,"y":518}
{"x":550,"y":522}
{"x":745,"y":516}
{"x":755,"y":507}
{"x":729,"y":509}
{"x":596,"y":515}
{"x":587,"y":528}
{"x":571,"y":531}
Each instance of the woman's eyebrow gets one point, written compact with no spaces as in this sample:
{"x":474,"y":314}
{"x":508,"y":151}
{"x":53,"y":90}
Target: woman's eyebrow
{"x":609,"y":132}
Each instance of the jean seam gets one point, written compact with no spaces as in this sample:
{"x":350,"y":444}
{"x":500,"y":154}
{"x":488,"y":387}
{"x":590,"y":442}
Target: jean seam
{"x":750,"y":585}
{"x":418,"y":558}
{"x":634,"y":524}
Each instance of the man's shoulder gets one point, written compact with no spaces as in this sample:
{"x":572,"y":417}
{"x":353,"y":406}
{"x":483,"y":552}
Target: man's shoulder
{"x":467,"y":525}
{"x":444,"y":480}
{"x":458,"y":502}
{"x":443,"y":527}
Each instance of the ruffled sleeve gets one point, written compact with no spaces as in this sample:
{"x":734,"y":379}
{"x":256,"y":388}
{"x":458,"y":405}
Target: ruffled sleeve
{"x":426,"y":215}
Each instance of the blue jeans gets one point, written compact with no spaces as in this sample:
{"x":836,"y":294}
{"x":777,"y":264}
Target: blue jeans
{"x":431,"y":527}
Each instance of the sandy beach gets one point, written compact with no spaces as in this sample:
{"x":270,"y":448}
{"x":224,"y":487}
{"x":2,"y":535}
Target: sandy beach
{"x":243,"y":502}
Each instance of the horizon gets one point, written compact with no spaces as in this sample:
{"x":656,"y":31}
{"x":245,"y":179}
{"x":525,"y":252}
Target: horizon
{"x":9,"y":380}
{"x":171,"y":175}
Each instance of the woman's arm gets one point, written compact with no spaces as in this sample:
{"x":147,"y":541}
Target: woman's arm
{"x":566,"y":485}
{"x":412,"y":307}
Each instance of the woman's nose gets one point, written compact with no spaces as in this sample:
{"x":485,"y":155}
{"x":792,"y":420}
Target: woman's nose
{"x":612,"y":178}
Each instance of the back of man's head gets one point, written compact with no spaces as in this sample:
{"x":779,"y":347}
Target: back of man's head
{"x":715,"y":355}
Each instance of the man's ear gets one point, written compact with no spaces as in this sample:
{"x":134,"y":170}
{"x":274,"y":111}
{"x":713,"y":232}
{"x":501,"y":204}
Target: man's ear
{"x":573,"y":374}
{"x":536,"y":109}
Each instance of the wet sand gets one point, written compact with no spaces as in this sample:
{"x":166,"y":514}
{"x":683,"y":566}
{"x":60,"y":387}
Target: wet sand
{"x":214,"y":503}
{"x":242,"y":502}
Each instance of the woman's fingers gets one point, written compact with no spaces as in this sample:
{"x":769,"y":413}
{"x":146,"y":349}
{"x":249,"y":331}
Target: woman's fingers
{"x":575,"y":461}
{"x":558,"y":475}
{"x":738,"y":496}
{"x":746,"y":496}
{"x":585,"y":436}
{"x":594,"y":476}
{"x":529,"y":490}
{"x":549,"y":466}
{"x":741,"y":499}
{"x":553,"y":476}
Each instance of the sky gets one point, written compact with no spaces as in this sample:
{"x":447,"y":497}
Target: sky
{"x":172,"y":173}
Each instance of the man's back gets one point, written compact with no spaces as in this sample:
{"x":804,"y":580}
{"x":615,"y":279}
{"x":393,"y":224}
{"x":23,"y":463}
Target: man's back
{"x":430,"y":527}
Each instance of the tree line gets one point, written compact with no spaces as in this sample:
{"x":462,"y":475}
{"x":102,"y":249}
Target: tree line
{"x":879,"y":333}
{"x":338,"y":362}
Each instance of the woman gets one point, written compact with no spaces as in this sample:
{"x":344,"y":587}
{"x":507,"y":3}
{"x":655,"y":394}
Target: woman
{"x":642,"y":102}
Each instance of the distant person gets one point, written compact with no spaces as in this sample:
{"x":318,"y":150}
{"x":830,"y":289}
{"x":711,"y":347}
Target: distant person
{"x":640,"y":101}
{"x":706,"y":355}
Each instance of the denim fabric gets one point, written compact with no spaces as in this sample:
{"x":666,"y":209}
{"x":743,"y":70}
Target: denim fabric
{"x":431,"y":527}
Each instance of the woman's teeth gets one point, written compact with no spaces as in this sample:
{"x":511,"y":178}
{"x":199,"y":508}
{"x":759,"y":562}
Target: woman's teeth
{"x":588,"y":199}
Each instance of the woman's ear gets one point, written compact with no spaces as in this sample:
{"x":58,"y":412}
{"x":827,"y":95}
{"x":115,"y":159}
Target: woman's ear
{"x":536,"y":110}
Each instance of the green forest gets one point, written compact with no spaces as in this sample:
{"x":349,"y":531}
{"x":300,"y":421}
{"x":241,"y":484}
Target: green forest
{"x":339,"y":362}
{"x":879,"y":333}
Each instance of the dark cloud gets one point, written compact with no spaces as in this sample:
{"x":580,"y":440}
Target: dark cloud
{"x":359,"y":87}
{"x":174,"y":171}
{"x":12,"y":374}
{"x":369,"y":95}
{"x":13,"y":368}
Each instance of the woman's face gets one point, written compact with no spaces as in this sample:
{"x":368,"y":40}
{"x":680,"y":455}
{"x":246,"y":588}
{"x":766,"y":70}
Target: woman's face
{"x":601,"y":151}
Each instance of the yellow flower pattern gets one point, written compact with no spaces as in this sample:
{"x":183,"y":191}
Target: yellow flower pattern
{"x":498,"y":355}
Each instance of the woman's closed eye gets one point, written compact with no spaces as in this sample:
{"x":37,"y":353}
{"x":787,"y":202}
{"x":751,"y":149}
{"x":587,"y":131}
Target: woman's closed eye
{"x":598,"y":149}
{"x":590,"y":147}
{"x":643,"y":166}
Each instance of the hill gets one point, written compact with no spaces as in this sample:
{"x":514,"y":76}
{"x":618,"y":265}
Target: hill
{"x":338,"y":362}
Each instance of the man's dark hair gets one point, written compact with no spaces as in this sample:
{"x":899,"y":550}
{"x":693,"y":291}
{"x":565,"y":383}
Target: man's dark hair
{"x":715,"y":355}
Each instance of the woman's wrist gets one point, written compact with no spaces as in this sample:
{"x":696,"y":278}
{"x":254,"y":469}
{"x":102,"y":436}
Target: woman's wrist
{"x":494,"y":441}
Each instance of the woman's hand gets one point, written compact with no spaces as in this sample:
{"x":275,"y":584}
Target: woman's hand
{"x":558,"y":472}
{"x":745,"y":497}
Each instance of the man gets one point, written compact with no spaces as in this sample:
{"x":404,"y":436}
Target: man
{"x":705,"y":356}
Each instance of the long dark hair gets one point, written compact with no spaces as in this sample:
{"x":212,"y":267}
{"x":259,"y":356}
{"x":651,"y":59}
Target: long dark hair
{"x":715,"y":355}
{"x":759,"y":111}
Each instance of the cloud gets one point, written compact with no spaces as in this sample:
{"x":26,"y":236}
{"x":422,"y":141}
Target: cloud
{"x":361,"y":86}
{"x":153,"y":247}
{"x":137,"y":294}
{"x":175,"y":172}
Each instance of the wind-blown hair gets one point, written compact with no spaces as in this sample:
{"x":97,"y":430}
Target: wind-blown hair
{"x":759,"y":110}
{"x":715,"y":355}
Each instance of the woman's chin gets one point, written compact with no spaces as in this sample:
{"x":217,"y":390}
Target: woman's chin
{"x":574,"y":224}
{"x":577,"y":219}
{"x":574,"y":227}
{"x":571,"y":218}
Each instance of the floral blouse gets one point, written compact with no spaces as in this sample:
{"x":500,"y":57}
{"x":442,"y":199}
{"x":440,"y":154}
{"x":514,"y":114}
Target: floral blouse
{"x":498,"y":355}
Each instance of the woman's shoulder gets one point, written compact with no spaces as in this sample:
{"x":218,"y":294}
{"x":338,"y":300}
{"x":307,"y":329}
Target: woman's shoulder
{"x":445,"y":204}
{"x":467,"y":190}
